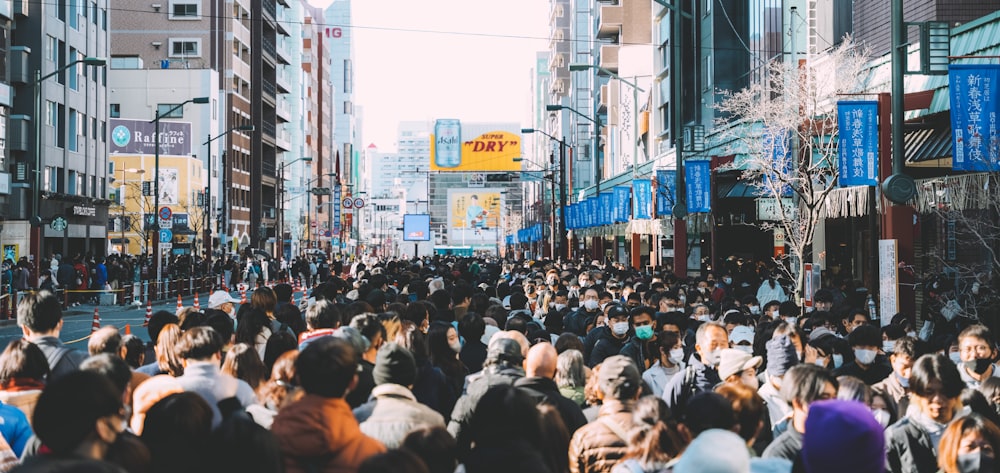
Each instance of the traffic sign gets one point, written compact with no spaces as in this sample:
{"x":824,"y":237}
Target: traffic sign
{"x":347,"y":203}
{"x":168,"y":223}
{"x":166,"y":247}
{"x":359,"y":202}
{"x":166,"y":236}
{"x":166,"y":213}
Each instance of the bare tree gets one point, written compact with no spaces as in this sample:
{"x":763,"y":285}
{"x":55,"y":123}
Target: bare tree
{"x":134,"y":204}
{"x":786,"y":126}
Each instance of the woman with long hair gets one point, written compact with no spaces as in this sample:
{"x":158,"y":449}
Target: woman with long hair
{"x":243,"y":363}
{"x":654,"y":441}
{"x":254,"y":329}
{"x":263,"y":298}
{"x":444,"y":346}
{"x":166,"y":351}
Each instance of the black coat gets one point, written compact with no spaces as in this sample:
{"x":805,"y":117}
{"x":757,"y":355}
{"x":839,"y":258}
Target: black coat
{"x":545,"y":390}
{"x":909,"y":448}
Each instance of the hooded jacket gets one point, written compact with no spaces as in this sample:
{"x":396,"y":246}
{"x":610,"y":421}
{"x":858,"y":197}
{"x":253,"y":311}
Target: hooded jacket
{"x":394,"y":412}
{"x":320,"y":434}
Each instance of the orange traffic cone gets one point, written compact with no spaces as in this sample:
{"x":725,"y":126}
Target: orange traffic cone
{"x":243,"y":295}
{"x":180,"y":304}
{"x":96,"y":324}
{"x":197,"y":306}
{"x":128,"y":329}
{"x":149,"y":313}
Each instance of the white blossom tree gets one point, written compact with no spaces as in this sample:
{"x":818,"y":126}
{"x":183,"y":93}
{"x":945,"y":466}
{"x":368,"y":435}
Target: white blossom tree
{"x":786,"y":126}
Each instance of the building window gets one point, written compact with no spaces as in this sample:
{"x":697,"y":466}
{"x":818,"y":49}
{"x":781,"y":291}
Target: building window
{"x":60,"y":126}
{"x":73,"y":182}
{"x":49,"y":178}
{"x":162,"y":108}
{"x":116,"y":110}
{"x":72,"y":129}
{"x":73,"y":70}
{"x":185,"y":10}
{"x":50,"y":113}
{"x":185,"y":47}
{"x":348,"y":108}
{"x":348,"y":76}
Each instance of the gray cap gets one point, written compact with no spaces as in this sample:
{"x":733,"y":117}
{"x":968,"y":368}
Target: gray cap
{"x":504,"y":349}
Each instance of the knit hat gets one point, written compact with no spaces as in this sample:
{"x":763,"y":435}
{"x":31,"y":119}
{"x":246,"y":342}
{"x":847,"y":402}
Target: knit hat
{"x":618,"y":377}
{"x":715,"y":451}
{"x":734,"y":362}
{"x":780,"y":355}
{"x":394,"y":364}
{"x":835,"y":427}
{"x":504,"y":349}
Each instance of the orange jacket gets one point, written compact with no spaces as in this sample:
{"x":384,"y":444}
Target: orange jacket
{"x":322,"y":432}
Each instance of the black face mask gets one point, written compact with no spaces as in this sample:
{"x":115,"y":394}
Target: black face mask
{"x":979,"y":365}
{"x":978,"y":462}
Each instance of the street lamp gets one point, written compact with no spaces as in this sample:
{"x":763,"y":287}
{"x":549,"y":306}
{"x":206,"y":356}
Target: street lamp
{"x":121,"y":197}
{"x":208,"y":192}
{"x":561,"y":228}
{"x":156,"y":176}
{"x":597,"y":141}
{"x":635,"y":107}
{"x":36,"y":219}
{"x":281,"y":202}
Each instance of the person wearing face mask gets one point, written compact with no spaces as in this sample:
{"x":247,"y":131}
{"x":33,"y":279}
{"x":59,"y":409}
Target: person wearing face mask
{"x":770,"y":311}
{"x":738,"y":367}
{"x":611,"y":340}
{"x":576,"y":322}
{"x":221,"y":300}
{"x":701,"y":373}
{"x":770,"y":290}
{"x":912,"y":442}
{"x":641,"y":348}
{"x":868,"y":366}
{"x":741,"y":338}
{"x":802,"y":386}
{"x":670,"y":361}
{"x":895,"y":389}
{"x":977,"y":351}
{"x":969,"y":445}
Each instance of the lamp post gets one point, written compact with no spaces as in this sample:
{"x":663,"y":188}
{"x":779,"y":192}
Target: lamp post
{"x":281,"y":202}
{"x":208,"y":193}
{"x":37,"y":219}
{"x":121,"y":196}
{"x":561,"y":228}
{"x":156,"y":177}
{"x":597,"y":140}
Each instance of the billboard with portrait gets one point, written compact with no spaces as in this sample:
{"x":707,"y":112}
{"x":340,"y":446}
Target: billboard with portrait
{"x":473,"y":216}
{"x":416,"y":227}
{"x":458,"y":146}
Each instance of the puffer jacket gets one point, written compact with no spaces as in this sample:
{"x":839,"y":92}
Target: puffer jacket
{"x":320,"y":434}
{"x":394,"y":412}
{"x":597,"y":447}
{"x":490,"y":376}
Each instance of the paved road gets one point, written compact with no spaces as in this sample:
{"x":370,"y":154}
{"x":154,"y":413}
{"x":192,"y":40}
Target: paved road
{"x":77,"y":320}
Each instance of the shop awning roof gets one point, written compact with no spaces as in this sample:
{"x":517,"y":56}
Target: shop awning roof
{"x":928,"y":147}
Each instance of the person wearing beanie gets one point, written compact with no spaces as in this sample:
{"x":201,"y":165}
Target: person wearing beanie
{"x":599,"y":445}
{"x":842,"y":436}
{"x":801,"y":386}
{"x":393,"y":410}
{"x":780,"y":358}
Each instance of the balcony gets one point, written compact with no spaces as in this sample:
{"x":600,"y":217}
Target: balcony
{"x":283,"y":110}
{"x":268,"y":45}
{"x":557,"y":11}
{"x":283,"y":139}
{"x":602,"y":104}
{"x":283,"y":80}
{"x":269,"y":8}
{"x":268,"y":128}
{"x":270,"y":90}
{"x":609,"y":26}
{"x":609,"y":57}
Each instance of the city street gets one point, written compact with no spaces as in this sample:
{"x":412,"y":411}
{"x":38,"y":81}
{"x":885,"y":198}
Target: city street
{"x":77,"y":320}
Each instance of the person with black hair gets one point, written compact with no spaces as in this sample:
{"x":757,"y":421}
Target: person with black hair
{"x":179,"y":423}
{"x":977,"y":350}
{"x":801,"y":386}
{"x":473,"y":354}
{"x":869,"y":365}
{"x":585,"y":315}
{"x":538,"y":381}
{"x":435,"y":446}
{"x":40,"y":317}
{"x":374,"y":334}
{"x":505,"y":433}
{"x":461,"y":296}
{"x":504,"y":365}
{"x":895,"y":389}
{"x":641,"y":346}
{"x":201,"y":350}
{"x":318,"y":432}
{"x":669,"y":362}
{"x":912,"y":443}
{"x":23,"y":369}
{"x":612,"y":339}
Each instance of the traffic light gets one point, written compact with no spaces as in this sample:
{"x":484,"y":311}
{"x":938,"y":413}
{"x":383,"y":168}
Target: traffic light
{"x":320,"y":191}
{"x":502,"y":177}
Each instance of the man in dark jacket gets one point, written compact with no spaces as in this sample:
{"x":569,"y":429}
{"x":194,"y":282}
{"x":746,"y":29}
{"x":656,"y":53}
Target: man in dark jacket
{"x":473,"y":353}
{"x":641,"y":348}
{"x":540,"y":370}
{"x":599,"y":445}
{"x":611,"y":340}
{"x":702,"y":373}
{"x":590,"y":307}
{"x":40,"y":316}
{"x":868,"y":366}
{"x":504,"y":365}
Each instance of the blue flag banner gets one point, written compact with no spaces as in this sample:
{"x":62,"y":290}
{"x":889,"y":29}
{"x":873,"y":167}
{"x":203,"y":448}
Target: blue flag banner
{"x":858,"y":147}
{"x":592,"y":216}
{"x":778,"y":144}
{"x":336,"y":210}
{"x":571,"y":222}
{"x":604,"y":203}
{"x":642,"y":198}
{"x":666,"y":192}
{"x":973,"y":90}
{"x":698,"y":184}
{"x":623,"y":203}
{"x":586,"y":213}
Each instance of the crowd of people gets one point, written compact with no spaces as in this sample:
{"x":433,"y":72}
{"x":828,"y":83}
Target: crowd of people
{"x":442,"y":365}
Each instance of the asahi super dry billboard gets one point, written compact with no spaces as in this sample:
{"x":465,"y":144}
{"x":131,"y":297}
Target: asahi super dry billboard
{"x":475,"y":147}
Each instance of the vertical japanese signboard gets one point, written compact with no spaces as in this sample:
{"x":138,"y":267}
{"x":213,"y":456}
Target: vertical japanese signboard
{"x":858,"y":149}
{"x":666,"y":192}
{"x":606,"y":207}
{"x":623,"y":202}
{"x":973,"y":91}
{"x":698,"y":184}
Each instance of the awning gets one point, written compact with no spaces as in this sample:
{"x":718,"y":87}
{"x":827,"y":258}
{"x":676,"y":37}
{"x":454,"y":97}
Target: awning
{"x":184,"y":231}
{"x":928,"y":147}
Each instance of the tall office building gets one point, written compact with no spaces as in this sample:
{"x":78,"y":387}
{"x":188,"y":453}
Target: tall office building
{"x":70,"y":155}
{"x":347,"y":130}
{"x":319,"y":130}
{"x":871,"y":17}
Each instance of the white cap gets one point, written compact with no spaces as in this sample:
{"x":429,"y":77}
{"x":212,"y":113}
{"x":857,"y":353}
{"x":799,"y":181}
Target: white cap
{"x":741,"y":333}
{"x":220,"y":297}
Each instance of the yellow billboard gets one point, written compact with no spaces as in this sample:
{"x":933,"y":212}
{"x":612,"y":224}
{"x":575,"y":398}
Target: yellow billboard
{"x":473,"y":215}
{"x":457,"y":147}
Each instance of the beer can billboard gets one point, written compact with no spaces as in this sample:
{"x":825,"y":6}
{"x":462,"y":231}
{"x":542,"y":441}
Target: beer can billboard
{"x":474,"y":147}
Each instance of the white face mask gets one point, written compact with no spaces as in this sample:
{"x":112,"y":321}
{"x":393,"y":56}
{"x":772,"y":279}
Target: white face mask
{"x":456,"y":347}
{"x":619,"y":328}
{"x":865,"y":357}
{"x":677,"y":355}
{"x":705,"y":317}
{"x":791,"y":320}
{"x":712,"y":358}
{"x":591,"y":305}
{"x":838,"y":360}
{"x":755,"y":309}
{"x":560,"y":306}
{"x":882,"y":416}
{"x":745,"y":349}
{"x":911,"y":334}
{"x":955,"y":357}
{"x":603,"y":306}
{"x":888,"y":345}
{"x":750,"y":380}
{"x":775,"y":315}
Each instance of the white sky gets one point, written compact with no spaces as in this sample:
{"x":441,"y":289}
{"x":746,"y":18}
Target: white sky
{"x":470,"y":59}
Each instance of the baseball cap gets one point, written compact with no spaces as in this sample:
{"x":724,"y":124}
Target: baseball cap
{"x":220,"y":297}
{"x":735,"y":361}
{"x":618,"y":377}
{"x":741,"y":333}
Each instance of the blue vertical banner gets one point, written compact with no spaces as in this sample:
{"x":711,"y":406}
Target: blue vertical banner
{"x":642,"y":198}
{"x":698,"y":183}
{"x":623,"y":203}
{"x":336,"y":210}
{"x":592,"y":211}
{"x":606,"y":208}
{"x":666,"y":192}
{"x":973,"y":91}
{"x":572,"y":223}
{"x":858,"y":147}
